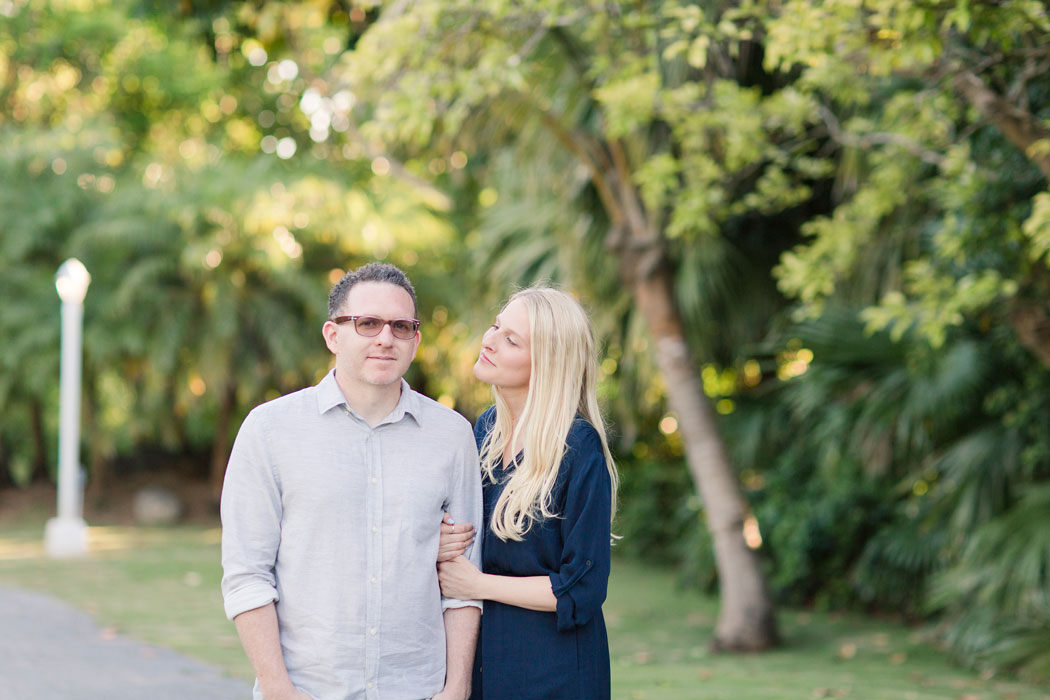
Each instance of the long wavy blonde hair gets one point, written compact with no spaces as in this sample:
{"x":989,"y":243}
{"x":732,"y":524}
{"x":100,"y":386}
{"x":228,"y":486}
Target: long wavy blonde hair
{"x":562,"y":384}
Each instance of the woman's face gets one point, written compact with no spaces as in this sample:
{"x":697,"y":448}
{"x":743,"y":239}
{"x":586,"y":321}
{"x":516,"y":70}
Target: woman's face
{"x":505,"y":358}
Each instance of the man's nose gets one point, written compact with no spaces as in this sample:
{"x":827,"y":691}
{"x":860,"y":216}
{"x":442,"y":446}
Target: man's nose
{"x":386,"y":335}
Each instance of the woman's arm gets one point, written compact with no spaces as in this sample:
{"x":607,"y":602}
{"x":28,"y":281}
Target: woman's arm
{"x":582,"y":578}
{"x":461,"y":579}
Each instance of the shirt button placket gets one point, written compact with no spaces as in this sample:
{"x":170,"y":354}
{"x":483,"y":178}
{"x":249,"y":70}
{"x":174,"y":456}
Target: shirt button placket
{"x":373,"y":595}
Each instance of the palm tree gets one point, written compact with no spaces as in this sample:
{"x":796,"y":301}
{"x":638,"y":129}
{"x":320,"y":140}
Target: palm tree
{"x":660,"y":182}
{"x":544,"y":226}
{"x":42,"y":204}
{"x":212,"y":311}
{"x":938,"y":461}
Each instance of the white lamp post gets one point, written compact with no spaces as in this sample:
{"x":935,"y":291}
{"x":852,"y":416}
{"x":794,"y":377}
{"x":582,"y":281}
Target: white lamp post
{"x":66,"y":535}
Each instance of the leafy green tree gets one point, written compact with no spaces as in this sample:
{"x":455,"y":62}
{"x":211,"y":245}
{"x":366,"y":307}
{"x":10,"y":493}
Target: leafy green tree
{"x":939,"y":109}
{"x":39,"y":209}
{"x":938,"y":112}
{"x":164,"y":150}
{"x":668,"y":118}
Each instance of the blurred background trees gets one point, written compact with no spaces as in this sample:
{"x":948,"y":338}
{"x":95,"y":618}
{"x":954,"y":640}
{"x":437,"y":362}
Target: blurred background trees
{"x":813,"y":236}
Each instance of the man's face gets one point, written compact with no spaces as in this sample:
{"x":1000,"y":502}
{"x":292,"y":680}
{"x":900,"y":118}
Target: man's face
{"x":380,"y":360}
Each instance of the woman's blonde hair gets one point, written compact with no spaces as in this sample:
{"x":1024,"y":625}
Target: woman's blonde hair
{"x":562,"y":384}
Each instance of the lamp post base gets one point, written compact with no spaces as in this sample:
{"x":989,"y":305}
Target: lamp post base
{"x":65,"y":537}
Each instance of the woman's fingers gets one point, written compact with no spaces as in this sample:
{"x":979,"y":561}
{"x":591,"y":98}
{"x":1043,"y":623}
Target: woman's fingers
{"x":459,"y":537}
{"x":459,"y":545}
{"x":455,"y":546}
{"x":455,"y":538}
{"x":449,"y":575}
{"x":450,"y":555}
{"x":457,"y":529}
{"x":449,"y":550}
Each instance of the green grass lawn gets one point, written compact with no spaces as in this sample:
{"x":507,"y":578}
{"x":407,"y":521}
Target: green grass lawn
{"x":162,"y":586}
{"x":658,"y":634}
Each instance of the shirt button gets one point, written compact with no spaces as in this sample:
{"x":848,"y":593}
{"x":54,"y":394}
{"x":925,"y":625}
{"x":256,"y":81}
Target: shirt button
{"x":375,"y":529}
{"x":588,"y":562}
{"x":372,"y":631}
{"x":369,"y":685}
{"x":373,"y":479}
{"x":372,"y":580}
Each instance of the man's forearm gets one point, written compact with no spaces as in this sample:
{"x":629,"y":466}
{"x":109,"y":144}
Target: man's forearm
{"x":260,"y":637}
{"x":461,"y":638}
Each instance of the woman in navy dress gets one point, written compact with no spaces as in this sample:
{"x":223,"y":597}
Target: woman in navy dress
{"x":549,"y":495}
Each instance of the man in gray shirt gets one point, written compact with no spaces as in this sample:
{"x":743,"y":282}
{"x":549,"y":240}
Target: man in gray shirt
{"x":331,"y":510}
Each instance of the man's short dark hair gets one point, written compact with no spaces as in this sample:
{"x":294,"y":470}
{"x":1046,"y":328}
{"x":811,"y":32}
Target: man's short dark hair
{"x":372,"y":272}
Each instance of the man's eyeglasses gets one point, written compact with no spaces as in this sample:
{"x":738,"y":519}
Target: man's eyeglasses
{"x":371,"y":326}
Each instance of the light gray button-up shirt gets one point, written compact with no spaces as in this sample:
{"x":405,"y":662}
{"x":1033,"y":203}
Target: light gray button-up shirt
{"x":339,"y":524}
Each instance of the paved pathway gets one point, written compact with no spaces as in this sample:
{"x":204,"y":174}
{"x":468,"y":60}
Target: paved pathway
{"x":51,"y":651}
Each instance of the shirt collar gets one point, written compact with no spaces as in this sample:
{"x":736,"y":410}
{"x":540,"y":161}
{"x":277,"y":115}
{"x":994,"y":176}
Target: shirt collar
{"x":329,"y":395}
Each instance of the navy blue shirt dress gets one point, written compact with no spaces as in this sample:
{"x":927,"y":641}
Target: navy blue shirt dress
{"x":528,"y":655}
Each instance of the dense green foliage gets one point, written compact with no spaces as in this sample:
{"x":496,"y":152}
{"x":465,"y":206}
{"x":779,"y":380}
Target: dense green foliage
{"x":851,"y":196}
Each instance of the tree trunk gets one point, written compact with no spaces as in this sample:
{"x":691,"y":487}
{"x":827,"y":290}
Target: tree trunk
{"x":98,"y":463}
{"x":220,"y":447}
{"x":1031,"y":323}
{"x":1021,"y":128}
{"x":747,"y":620}
{"x":6,"y":479}
{"x":39,"y":471}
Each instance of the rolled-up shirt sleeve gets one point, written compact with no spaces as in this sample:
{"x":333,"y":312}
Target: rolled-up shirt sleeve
{"x":464,"y":502}
{"x":582,"y":580}
{"x":251,"y":521}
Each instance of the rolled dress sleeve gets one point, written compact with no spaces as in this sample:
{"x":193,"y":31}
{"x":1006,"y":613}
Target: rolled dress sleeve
{"x":251,"y":521}
{"x":464,"y":501}
{"x":581,"y":582}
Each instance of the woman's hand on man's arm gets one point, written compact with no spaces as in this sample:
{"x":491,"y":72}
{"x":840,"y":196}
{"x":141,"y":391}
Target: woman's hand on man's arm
{"x":455,"y":538}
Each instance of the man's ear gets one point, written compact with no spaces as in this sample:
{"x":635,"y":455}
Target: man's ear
{"x":415,"y":350}
{"x":330,"y":331}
